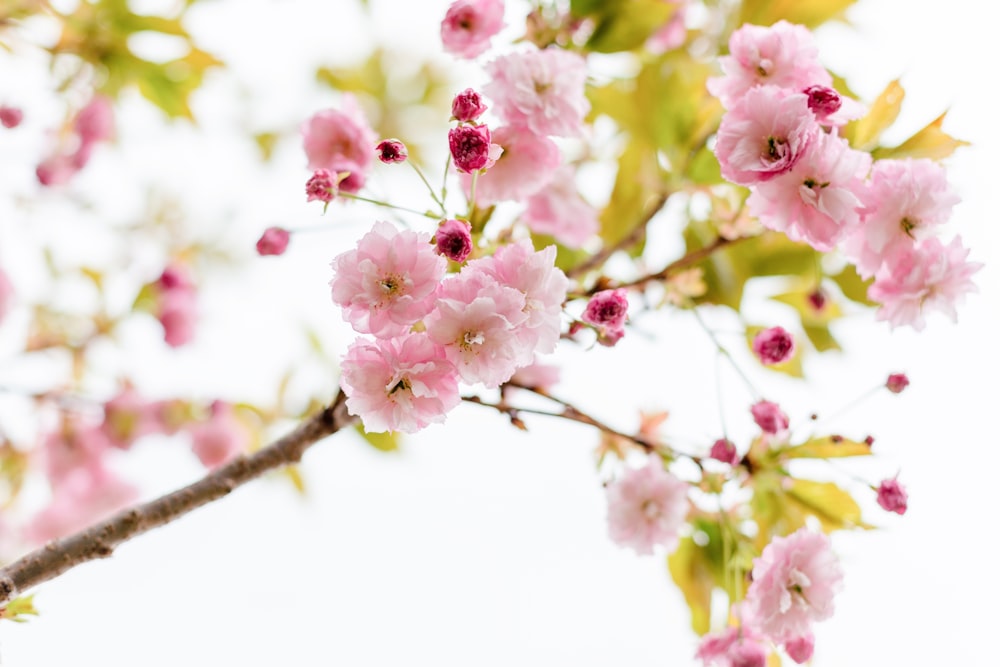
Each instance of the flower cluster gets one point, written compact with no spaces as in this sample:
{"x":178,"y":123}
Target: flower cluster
{"x":92,"y":125}
{"x":780,"y":137}
{"x":476,"y":326}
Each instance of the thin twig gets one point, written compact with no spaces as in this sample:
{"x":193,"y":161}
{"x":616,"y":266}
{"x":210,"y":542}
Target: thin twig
{"x":100,"y":540}
{"x":631,"y":238}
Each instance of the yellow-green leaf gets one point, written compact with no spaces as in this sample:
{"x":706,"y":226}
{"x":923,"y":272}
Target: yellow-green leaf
{"x":810,"y":13}
{"x":864,"y":133}
{"x":834,"y":507}
{"x":627,"y":25}
{"x":930,"y":142}
{"x":828,"y":447}
{"x":295,"y":477}
{"x":852,"y":285}
{"x":384,"y":442}
{"x":17,"y":609}
{"x":635,"y":187}
{"x":690,"y":571}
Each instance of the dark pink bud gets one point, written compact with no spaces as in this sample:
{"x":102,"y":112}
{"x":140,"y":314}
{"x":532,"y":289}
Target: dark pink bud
{"x":769,"y":417}
{"x":467,"y":106}
{"x":273,"y":241}
{"x":470,"y":147}
{"x":869,"y":440}
{"x":725,"y":451}
{"x":801,"y":648}
{"x":607,"y":308}
{"x":817,"y":299}
{"x":897,"y":382}
{"x":773,"y":346}
{"x":454,"y":240}
{"x":321,"y":186}
{"x":822,"y":100}
{"x":575,"y":328}
{"x":391,"y":151}
{"x":892,"y":496}
{"x":10,"y":116}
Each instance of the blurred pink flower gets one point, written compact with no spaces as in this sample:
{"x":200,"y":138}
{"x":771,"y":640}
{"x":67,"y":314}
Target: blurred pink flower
{"x":274,"y":241}
{"x":606,"y":311}
{"x":892,"y":496}
{"x":81,"y":498}
{"x":793,"y":584}
{"x":469,"y":25}
{"x":773,"y":346}
{"x":10,"y":117}
{"x":559,"y":211}
{"x":398,"y":384}
{"x":527,"y":165}
{"x":769,"y":417}
{"x":646,"y":508}
{"x":800,"y":649}
{"x":220,"y":438}
{"x":340,"y":140}
{"x":733,"y":647}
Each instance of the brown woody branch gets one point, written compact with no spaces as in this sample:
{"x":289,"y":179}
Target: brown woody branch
{"x":100,"y":540}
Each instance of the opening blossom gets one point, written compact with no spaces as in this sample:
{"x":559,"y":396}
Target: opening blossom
{"x":469,"y":25}
{"x":453,"y":240}
{"x":472,"y":148}
{"x":274,"y":241}
{"x":607,"y":311}
{"x":794,"y":582}
{"x":467,"y":106}
{"x":733,"y":647}
{"x":773,"y":346}
{"x":769,"y":417}
{"x":646,"y":508}
{"x":391,"y":151}
{"x":892,"y":496}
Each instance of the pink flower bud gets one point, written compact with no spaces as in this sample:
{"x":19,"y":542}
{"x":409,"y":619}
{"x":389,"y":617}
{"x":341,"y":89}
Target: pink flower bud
{"x":467,"y":106}
{"x":454,"y":240}
{"x":823,"y":101}
{"x":773,"y":346}
{"x":769,"y":417}
{"x":95,"y":122}
{"x":273,"y":241}
{"x":607,"y":311}
{"x":391,"y":151}
{"x":892,"y":496}
{"x":56,"y":170}
{"x":470,"y":147}
{"x":725,"y":451}
{"x":322,"y":186}
{"x":10,"y":116}
{"x":800,"y":649}
{"x":817,"y":299}
{"x":897,"y":382}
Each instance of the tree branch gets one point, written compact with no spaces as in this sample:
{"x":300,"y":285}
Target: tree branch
{"x":100,"y":540}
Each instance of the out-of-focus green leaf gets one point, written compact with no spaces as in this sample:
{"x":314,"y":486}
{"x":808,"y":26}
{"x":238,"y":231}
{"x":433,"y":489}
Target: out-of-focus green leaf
{"x":691,"y":574}
{"x":821,"y":338}
{"x":834,"y":507}
{"x":636,"y":184}
{"x":384,"y":442}
{"x":295,"y":477}
{"x":703,"y":169}
{"x":815,"y":322}
{"x":930,"y":142}
{"x":864,"y":133}
{"x":853,"y":287}
{"x":810,"y":13}
{"x":18,"y":608}
{"x":828,"y":447}
{"x":626,"y":25}
{"x":266,"y":141}
{"x":673,"y":99}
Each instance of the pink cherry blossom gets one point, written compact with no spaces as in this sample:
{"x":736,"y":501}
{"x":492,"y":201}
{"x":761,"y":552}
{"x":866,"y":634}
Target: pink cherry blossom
{"x":672,"y":33}
{"x":537,"y":375}
{"x":95,"y":121}
{"x":6,"y":295}
{"x":897,"y":382}
{"x":541,"y":90}
{"x":725,"y":451}
{"x":793,"y":584}
{"x":930,"y":275}
{"x":773,"y":346}
{"x":764,"y":135}
{"x":453,"y":239}
{"x":274,"y":241}
{"x":398,"y":384}
{"x":527,"y":165}
{"x":56,"y":169}
{"x":892,"y":496}
{"x":220,"y":438}
{"x":733,"y":647}
{"x":78,"y":444}
{"x":800,"y":649}
{"x":391,"y":151}
{"x":559,"y":211}
{"x":340,"y":140}
{"x":467,"y":106}
{"x":769,"y":417}
{"x":83,"y":497}
{"x":177,"y":307}
{"x":476,"y":320}
{"x":322,"y":186}
{"x":471,"y":148}
{"x":10,"y":117}
{"x":469,"y":25}
{"x":543,"y":286}
{"x":646,"y":508}
{"x":387,"y":283}
{"x":816,"y":201}
{"x":782,"y":55}
{"x":607,"y":311}
{"x":128,"y":416}
{"x":904,"y":203}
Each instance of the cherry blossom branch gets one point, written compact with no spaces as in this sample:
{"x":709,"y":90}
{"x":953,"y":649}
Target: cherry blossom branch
{"x":100,"y":540}
{"x":631,"y":238}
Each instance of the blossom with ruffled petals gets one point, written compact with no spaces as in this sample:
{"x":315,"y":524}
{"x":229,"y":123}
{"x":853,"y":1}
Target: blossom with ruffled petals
{"x":607,"y":311}
{"x":387,"y":283}
{"x":453,"y":239}
{"x":340,"y":140}
{"x":559,"y":211}
{"x":929,"y":275}
{"x":733,"y":647}
{"x":646,"y":508}
{"x":764,"y":135}
{"x":794,"y":582}
{"x":526,"y":165}
{"x":773,"y":346}
{"x":782,"y":55}
{"x":391,"y":151}
{"x":467,"y":106}
{"x":817,"y":200}
{"x":469,"y":25}
{"x":471,"y":148}
{"x":398,"y":384}
{"x":542,"y":90}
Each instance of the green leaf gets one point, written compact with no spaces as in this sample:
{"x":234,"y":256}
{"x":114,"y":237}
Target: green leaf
{"x":810,"y":13}
{"x":703,"y":169}
{"x":690,"y":572}
{"x":828,"y":447}
{"x":864,"y":133}
{"x":636,"y":184}
{"x":624,"y":26}
{"x":834,"y":507}
{"x":821,"y":338}
{"x":853,"y":287}
{"x":930,"y":142}
{"x":266,"y":141}
{"x":17,"y":609}
{"x":384,"y":442}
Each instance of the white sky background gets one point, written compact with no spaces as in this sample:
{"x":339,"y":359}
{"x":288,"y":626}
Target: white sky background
{"x":480,"y":545}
